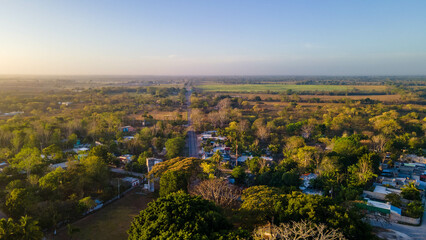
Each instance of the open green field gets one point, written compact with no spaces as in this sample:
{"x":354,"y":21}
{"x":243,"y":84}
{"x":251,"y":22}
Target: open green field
{"x":284,"y":87}
{"x":111,"y":222}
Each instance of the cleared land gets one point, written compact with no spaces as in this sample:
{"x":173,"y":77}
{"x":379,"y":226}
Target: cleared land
{"x":277,"y":97}
{"x":111,"y":222}
{"x":284,"y":87}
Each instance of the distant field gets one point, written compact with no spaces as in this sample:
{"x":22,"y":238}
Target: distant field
{"x":278,"y":97}
{"x":284,"y":87}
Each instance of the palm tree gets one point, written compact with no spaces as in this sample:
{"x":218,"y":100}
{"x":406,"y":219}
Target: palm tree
{"x":26,"y":229}
{"x":7,"y":228}
{"x":29,"y":230}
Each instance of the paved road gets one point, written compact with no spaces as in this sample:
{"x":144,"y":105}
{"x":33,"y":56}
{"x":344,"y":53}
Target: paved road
{"x":122,"y":171}
{"x":191,"y":138}
{"x":415,"y":232}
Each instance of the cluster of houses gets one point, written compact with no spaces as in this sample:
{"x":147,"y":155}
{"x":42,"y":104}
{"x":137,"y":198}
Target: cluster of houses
{"x":410,"y":169}
{"x":211,"y":143}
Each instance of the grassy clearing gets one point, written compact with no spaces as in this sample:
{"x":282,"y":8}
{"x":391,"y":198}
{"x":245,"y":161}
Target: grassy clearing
{"x":111,"y":222}
{"x":284,"y":87}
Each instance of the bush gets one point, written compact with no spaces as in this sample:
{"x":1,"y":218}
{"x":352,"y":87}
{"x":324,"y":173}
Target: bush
{"x":410,"y":192}
{"x":394,"y":199}
{"x":414,"y":209}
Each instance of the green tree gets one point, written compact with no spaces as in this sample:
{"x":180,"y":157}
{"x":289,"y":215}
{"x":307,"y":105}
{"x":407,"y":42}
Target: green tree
{"x":53,"y":179}
{"x":217,"y":157}
{"x":25,"y":229}
{"x":291,"y":178}
{"x":209,"y":169}
{"x":53,"y":152}
{"x":239,"y":174}
{"x":27,"y":159}
{"x":348,"y":149}
{"x":321,"y":209}
{"x":387,"y":123}
{"x":410,"y":192}
{"x":103,"y":153}
{"x":174,"y":147}
{"x":362,"y":172}
{"x":262,"y":202}
{"x":307,"y":155}
{"x":178,"y":216}
{"x":415,"y":209}
{"x":18,"y":202}
{"x":8,"y":228}
{"x":28,"y":229}
{"x":394,"y":199}
{"x":96,"y":173}
{"x":292,"y":144}
{"x":173,"y":181}
{"x":253,"y":164}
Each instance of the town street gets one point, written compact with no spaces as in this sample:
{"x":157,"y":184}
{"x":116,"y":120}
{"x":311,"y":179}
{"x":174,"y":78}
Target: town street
{"x":415,"y":232}
{"x":191,"y":139}
{"x":122,"y":171}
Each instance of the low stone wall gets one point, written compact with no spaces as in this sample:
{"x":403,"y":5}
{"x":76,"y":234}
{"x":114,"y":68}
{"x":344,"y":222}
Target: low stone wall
{"x":403,"y":219}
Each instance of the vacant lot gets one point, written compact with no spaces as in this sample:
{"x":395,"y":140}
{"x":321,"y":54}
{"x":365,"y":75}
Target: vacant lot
{"x":284,"y":87}
{"x":111,"y":222}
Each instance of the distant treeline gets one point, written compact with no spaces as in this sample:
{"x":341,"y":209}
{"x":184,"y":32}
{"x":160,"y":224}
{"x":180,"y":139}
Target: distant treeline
{"x":323,"y":80}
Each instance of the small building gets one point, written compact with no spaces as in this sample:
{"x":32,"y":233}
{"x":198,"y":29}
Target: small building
{"x":150,"y":162}
{"x":63,"y":165}
{"x":126,"y":129}
{"x":12,"y":113}
{"x":132,"y":181}
{"x":3,"y":165}
{"x":244,"y":158}
{"x":306,"y":178}
{"x":65,"y":103}
{"x":125,"y":158}
{"x":128,"y":138}
{"x":306,"y":184}
{"x":81,"y":149}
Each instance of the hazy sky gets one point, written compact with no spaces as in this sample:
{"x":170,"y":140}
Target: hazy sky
{"x":212,"y":37}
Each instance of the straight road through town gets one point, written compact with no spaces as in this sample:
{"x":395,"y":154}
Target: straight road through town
{"x":191,"y":138}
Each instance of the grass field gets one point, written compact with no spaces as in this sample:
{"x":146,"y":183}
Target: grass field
{"x":284,"y":87}
{"x":277,"y":97}
{"x":111,"y":222}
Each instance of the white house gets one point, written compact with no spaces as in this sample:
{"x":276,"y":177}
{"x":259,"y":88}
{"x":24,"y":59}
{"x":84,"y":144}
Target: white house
{"x":133,"y":181}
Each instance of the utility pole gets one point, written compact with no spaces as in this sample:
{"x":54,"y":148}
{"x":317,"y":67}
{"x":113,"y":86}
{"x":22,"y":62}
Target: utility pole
{"x":118,"y":187}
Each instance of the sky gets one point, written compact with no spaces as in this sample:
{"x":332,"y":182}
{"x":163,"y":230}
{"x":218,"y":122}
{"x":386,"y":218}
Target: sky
{"x":213,"y":37}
